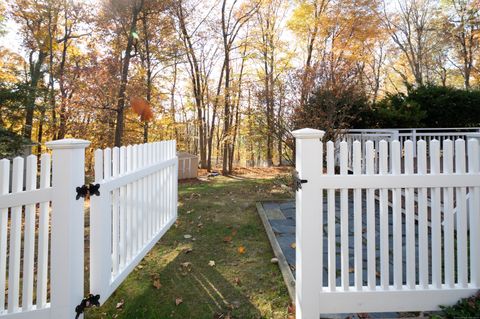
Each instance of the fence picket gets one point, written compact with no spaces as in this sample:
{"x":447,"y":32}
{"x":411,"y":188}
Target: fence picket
{"x":344,"y":218}
{"x":43,"y":234}
{"x":112,"y":169}
{"x":29,"y":236}
{"x":461,"y":214}
{"x":410,"y":218}
{"x":357,"y":217}
{"x":384,"y":242}
{"x":332,"y":272}
{"x":371,"y":261}
{"x":122,"y":209}
{"x":448,"y":227}
{"x":397,"y":219}
{"x":4,"y":189}
{"x":129,"y":209}
{"x":435,"y":217}
{"x":141,"y":202}
{"x":474,"y":213}
{"x":15,"y":239}
{"x":134,"y":199}
{"x":422,"y":217}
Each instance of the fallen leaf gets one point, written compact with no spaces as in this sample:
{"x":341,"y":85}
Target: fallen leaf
{"x":156,"y":283}
{"x":234,"y":232}
{"x":187,"y":236}
{"x":188,"y":250}
{"x":293,"y":245}
{"x":227,"y":239}
{"x":237,"y":281}
{"x":291,"y":311}
{"x":274,"y":260}
{"x":242,"y":250}
{"x":178,"y":301}
{"x":186,"y":266}
{"x":120,"y":304}
{"x":211,"y":263}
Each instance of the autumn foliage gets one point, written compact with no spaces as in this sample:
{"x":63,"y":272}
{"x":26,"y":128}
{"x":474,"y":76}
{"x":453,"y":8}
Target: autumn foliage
{"x":142,"y":108}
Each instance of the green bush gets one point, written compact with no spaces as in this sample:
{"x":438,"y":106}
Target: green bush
{"x":464,"y":308}
{"x":426,"y":106}
{"x":11,"y":144}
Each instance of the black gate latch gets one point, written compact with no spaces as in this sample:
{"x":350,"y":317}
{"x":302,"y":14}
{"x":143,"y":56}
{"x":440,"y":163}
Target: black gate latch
{"x":88,"y":302}
{"x":297,"y":182}
{"x":85,"y":190}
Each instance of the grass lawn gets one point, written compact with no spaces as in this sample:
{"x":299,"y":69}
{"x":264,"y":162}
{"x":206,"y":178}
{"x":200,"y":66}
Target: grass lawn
{"x":177,"y":278}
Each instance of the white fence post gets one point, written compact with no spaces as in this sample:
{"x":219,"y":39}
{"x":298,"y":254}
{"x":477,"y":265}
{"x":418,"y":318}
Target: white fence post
{"x":309,"y":226}
{"x":67,"y":226}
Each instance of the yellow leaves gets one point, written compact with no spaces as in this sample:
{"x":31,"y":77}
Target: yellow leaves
{"x":241,"y":250}
{"x":293,"y":245}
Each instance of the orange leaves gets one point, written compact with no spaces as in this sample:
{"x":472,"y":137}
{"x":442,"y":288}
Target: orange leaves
{"x":241,"y":250}
{"x":142,"y":108}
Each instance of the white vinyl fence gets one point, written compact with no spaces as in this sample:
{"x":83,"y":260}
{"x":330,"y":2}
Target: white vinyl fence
{"x":42,"y":223}
{"x":400,"y":236}
{"x":136,"y":206}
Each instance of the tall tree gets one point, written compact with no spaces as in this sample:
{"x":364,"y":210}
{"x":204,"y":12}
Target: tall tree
{"x":410,"y":27}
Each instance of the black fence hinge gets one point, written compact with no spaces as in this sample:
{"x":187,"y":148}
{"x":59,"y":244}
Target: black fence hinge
{"x":88,"y":302}
{"x":85,"y":190}
{"x":297,"y":182}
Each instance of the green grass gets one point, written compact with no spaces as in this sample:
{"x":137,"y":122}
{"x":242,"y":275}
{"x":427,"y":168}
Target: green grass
{"x":238,"y":286}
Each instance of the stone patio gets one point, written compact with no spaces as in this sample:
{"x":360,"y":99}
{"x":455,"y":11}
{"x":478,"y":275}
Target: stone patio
{"x":281,"y":217}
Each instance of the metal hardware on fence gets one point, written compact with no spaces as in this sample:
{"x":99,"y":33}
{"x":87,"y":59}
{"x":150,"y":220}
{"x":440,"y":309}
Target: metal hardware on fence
{"x":88,"y":302}
{"x":297,"y":182}
{"x":84,"y":190}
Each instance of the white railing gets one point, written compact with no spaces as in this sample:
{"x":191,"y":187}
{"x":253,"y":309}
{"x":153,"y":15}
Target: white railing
{"x":412,"y":134}
{"x":395,"y":252}
{"x":402,"y":135}
{"x":136,"y":206}
{"x":42,"y":262}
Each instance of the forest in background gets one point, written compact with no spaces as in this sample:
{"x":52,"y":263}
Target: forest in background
{"x":229,"y":79}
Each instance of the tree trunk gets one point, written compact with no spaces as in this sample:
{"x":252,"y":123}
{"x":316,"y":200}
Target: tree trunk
{"x":119,"y":127}
{"x":35,"y":76}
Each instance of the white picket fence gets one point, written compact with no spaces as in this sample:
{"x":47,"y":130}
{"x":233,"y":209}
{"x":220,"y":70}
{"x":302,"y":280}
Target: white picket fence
{"x":420,"y":219}
{"x":42,"y":226}
{"x":138,"y":186}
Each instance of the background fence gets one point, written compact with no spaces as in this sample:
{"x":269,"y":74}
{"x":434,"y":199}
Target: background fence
{"x":42,"y":223}
{"x":403,"y":235}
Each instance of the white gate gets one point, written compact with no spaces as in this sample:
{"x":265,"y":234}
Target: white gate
{"x":402,"y":236}
{"x":136,"y":206}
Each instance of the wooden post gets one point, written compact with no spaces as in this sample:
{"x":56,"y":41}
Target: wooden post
{"x":309,"y":227}
{"x":67,"y":226}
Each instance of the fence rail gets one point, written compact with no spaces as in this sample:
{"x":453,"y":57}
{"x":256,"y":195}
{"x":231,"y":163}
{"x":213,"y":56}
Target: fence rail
{"x":384,"y":248}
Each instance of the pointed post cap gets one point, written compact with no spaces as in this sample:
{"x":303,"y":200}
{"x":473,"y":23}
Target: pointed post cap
{"x":67,"y":143}
{"x":308,"y":133}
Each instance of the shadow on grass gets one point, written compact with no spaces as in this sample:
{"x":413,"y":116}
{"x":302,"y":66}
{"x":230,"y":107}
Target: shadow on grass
{"x":240,"y":285}
{"x":203,"y":291}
